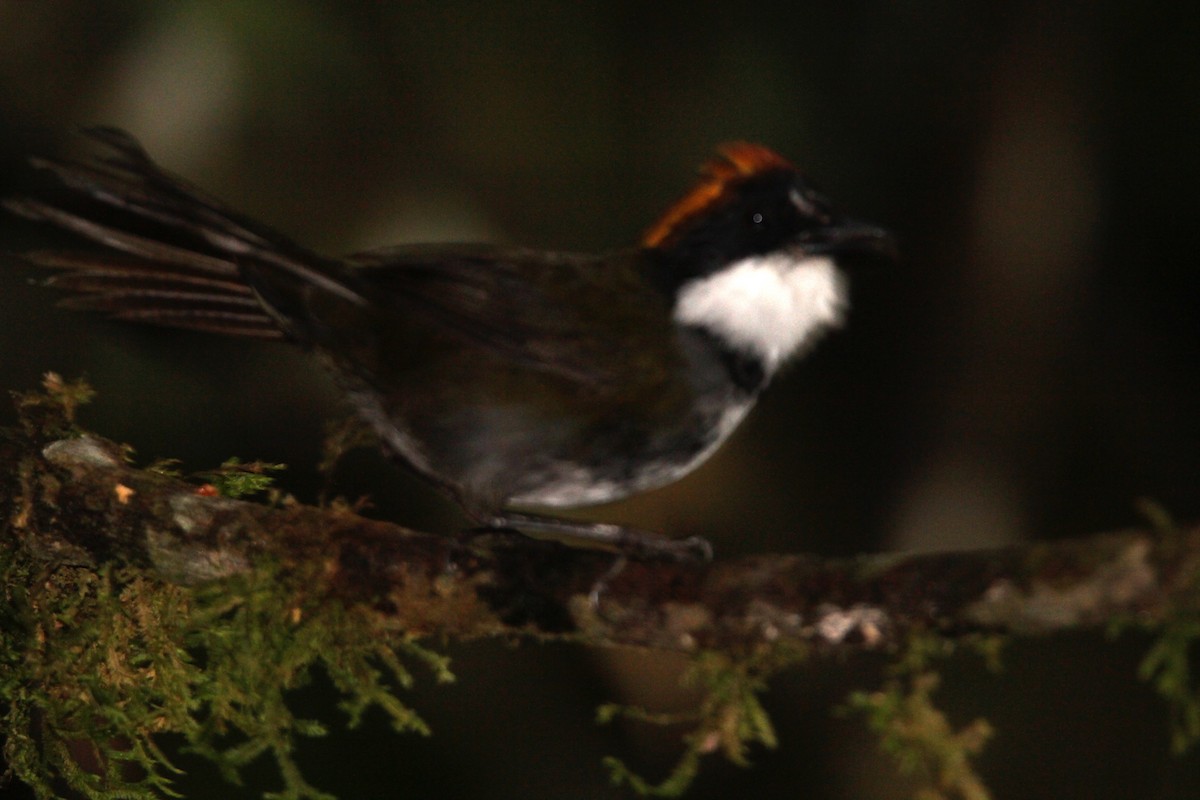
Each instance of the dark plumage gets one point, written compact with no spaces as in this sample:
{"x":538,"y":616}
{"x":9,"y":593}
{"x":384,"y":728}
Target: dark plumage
{"x":504,"y":376}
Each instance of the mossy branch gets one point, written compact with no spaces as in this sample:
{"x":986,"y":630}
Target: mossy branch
{"x":136,"y":572}
{"x":79,"y":500}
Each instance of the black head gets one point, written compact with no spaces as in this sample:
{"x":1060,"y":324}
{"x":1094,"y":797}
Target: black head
{"x":752,"y":202}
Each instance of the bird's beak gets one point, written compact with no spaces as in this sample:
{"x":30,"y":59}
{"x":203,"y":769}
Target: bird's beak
{"x":845,"y":236}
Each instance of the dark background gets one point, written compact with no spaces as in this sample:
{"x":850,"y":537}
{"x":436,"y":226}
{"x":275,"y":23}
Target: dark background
{"x":1028,"y":371}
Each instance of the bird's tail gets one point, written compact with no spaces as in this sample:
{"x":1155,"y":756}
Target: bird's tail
{"x":173,"y":256}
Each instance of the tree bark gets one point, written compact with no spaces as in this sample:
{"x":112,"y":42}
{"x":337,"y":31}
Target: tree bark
{"x":76,"y":499}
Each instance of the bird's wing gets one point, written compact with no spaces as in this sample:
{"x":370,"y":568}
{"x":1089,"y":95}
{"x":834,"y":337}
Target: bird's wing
{"x":558,"y":313}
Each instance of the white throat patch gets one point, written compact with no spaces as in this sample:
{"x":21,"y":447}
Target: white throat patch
{"x":769,"y":306}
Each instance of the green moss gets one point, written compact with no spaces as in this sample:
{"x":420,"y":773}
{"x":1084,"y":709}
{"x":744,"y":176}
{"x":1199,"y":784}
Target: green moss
{"x":238,"y":479}
{"x":110,"y":660}
{"x":916,"y":733}
{"x":50,"y":413}
{"x":1168,"y":668}
{"x":97,"y":664}
{"x":730,"y":718}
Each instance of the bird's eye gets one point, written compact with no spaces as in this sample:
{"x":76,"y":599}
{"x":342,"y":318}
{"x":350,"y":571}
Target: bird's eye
{"x":757,"y":218}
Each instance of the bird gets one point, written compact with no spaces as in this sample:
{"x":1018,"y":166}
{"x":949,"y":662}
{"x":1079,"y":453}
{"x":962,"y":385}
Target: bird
{"x":517,"y":381}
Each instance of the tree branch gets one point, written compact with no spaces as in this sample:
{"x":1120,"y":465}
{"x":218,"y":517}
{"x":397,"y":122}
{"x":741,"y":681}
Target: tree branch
{"x":76,"y":499}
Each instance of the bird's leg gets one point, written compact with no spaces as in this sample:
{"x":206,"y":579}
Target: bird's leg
{"x":627,"y":541}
